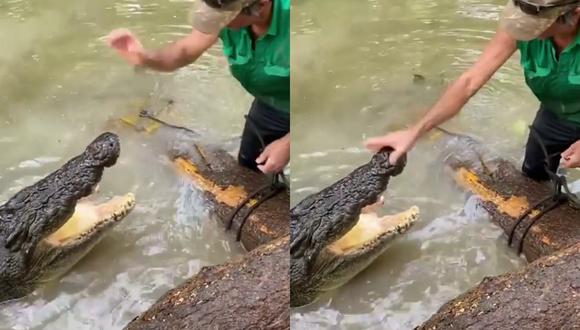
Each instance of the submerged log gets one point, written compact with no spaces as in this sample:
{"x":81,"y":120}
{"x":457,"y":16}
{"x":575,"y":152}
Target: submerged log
{"x":251,"y":292}
{"x":224,"y":183}
{"x":248,"y":293}
{"x":544,"y":295}
{"x":227,"y":185}
{"x":507,"y":194}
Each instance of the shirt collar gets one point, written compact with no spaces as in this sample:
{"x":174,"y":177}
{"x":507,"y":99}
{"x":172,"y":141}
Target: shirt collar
{"x":273,"y":30}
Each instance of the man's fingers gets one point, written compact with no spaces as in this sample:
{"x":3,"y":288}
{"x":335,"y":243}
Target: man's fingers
{"x":117,"y":37}
{"x":371,"y":142}
{"x":394,"y":157}
{"x":118,"y":33}
{"x":566,"y":163}
{"x":374,"y":144}
{"x":571,"y":162}
{"x":266,"y":168}
{"x":265,"y":162}
{"x":567,"y":153}
{"x":263,"y":157}
{"x":270,"y":167}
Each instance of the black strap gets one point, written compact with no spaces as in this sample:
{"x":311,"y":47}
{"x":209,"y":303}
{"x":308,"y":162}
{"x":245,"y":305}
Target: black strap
{"x":145,"y":114}
{"x":266,"y":192}
{"x":557,"y":198}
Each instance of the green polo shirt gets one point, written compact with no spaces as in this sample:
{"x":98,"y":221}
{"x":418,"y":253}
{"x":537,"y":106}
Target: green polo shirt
{"x":555,"y":82}
{"x":264,"y":71}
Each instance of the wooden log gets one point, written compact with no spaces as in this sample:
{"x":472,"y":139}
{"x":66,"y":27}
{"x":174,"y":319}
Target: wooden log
{"x":506,"y":194}
{"x":224,"y":183}
{"x":251,"y":292}
{"x":227,"y":185}
{"x":543,"y":295}
{"x":546,"y":293}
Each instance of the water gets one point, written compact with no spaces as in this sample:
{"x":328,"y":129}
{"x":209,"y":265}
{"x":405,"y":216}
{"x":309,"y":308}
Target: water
{"x":62,"y":87}
{"x":352,"y":78}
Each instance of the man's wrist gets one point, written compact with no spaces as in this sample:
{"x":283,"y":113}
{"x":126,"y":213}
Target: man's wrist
{"x":286,"y":138}
{"x":418,"y":130}
{"x":145,"y":58}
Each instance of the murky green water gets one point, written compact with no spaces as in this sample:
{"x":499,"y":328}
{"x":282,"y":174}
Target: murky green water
{"x":61,"y":86}
{"x":353,"y":66}
{"x":352,"y":78}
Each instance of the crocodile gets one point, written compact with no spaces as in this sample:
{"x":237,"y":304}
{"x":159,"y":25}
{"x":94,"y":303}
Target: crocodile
{"x":336,"y":233}
{"x":46,"y":228}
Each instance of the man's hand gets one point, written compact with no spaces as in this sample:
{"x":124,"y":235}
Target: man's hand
{"x":127,"y":45}
{"x":276,"y":156}
{"x":401,"y":141}
{"x":571,"y":157}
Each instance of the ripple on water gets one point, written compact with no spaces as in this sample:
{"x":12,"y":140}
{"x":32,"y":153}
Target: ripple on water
{"x":16,"y":9}
{"x":132,"y":8}
{"x":479,"y":10}
{"x":38,"y":162}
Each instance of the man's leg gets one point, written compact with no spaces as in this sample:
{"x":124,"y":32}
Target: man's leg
{"x":556,"y":134}
{"x":265,"y":121}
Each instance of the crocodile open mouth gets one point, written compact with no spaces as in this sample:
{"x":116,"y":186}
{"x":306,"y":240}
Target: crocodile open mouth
{"x":372,"y":228}
{"x":90,"y":217}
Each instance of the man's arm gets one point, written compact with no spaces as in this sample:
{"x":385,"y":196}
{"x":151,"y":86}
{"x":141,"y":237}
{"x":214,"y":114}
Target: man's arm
{"x":170,"y":58}
{"x":497,"y":52}
{"x":180,"y":53}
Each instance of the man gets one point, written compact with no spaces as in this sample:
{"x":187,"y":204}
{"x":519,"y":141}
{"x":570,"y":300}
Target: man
{"x":256,"y":41}
{"x":546,"y":34}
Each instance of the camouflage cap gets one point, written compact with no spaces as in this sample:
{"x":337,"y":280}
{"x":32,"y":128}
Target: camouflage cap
{"x":523,"y":26}
{"x":212,"y":20}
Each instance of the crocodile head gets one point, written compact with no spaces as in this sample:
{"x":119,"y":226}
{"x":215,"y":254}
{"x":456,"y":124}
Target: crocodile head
{"x":336,"y":233}
{"x":48,"y":227}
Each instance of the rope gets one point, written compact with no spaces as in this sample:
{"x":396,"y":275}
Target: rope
{"x":557,"y":198}
{"x":145,"y":114}
{"x":266,"y":192}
